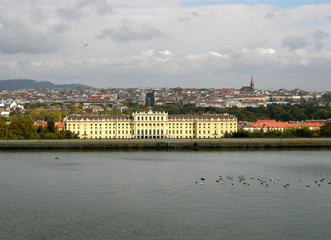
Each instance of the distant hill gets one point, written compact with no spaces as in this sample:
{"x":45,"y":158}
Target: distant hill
{"x":32,"y":84}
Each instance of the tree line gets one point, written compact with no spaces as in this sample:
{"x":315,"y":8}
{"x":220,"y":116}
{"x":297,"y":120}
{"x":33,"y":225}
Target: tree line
{"x":324,"y":131}
{"x":285,"y":113}
{"x":23,"y":129}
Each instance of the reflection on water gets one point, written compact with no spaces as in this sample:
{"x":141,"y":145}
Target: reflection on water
{"x":153,"y":194}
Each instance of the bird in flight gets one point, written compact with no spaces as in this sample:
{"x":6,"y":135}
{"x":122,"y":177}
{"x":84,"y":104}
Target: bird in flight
{"x":85,"y":45}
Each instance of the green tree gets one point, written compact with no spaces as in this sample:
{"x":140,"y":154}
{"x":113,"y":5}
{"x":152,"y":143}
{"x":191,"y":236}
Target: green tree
{"x":325,"y":130}
{"x":23,"y":129}
{"x":3,"y":129}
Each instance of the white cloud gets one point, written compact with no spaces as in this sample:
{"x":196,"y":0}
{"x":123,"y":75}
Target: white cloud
{"x":164,"y":43}
{"x":130,"y":31}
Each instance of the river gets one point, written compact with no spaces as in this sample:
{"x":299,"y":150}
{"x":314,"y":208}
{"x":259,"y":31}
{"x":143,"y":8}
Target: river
{"x":160,"y":194}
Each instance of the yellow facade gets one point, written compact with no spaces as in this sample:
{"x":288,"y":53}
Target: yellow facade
{"x":151,"y":125}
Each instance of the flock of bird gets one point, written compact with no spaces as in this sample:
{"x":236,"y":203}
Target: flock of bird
{"x":260,"y":180}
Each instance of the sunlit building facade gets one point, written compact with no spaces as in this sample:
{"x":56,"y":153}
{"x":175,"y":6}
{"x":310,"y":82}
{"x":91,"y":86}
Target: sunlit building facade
{"x":151,"y":125}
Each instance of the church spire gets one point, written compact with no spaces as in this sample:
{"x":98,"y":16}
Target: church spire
{"x":252,"y":83}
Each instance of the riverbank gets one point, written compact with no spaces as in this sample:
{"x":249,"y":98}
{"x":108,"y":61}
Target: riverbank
{"x":169,"y":143}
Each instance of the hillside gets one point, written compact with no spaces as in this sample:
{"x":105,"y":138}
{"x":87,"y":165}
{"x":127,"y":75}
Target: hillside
{"x":32,"y":84}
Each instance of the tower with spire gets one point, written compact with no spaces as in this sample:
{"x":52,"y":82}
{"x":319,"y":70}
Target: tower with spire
{"x":252,"y":83}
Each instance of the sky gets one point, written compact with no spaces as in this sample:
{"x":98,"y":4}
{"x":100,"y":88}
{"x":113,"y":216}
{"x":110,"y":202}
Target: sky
{"x":168,"y":43}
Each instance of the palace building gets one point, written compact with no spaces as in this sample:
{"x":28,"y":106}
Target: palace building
{"x":151,"y":125}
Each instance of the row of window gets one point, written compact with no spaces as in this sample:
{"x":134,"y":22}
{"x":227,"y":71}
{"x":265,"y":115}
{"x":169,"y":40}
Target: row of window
{"x":106,"y":132}
{"x":150,"y":118}
{"x":149,"y":124}
{"x":150,"y":132}
{"x":100,"y":125}
{"x":146,"y":124}
{"x":181,"y":131}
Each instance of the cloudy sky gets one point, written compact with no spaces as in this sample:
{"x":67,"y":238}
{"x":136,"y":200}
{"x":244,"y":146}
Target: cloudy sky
{"x":168,"y":43}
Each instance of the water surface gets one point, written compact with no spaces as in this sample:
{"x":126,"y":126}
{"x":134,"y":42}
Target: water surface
{"x":153,"y":195}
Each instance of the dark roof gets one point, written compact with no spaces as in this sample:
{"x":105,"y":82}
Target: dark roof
{"x":201,"y":117}
{"x":96,"y":118}
{"x":170,"y":117}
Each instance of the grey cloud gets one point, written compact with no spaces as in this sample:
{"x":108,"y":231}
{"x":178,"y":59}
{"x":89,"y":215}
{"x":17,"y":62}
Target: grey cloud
{"x":269,"y":15}
{"x":319,"y":44}
{"x":101,"y":6}
{"x":188,"y":18}
{"x":130,"y":31}
{"x":69,"y":14}
{"x":319,"y":34}
{"x":24,"y":62}
{"x":60,"y":28}
{"x":75,"y":12}
{"x":294,"y":42}
{"x":15,"y":37}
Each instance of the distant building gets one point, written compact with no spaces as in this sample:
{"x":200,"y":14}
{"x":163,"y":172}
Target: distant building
{"x":250,"y":88}
{"x":151,"y":125}
{"x":150,"y":101}
{"x":272,"y":125}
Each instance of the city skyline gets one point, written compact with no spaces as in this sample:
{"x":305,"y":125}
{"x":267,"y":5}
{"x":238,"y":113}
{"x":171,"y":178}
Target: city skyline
{"x":198,"y":44}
